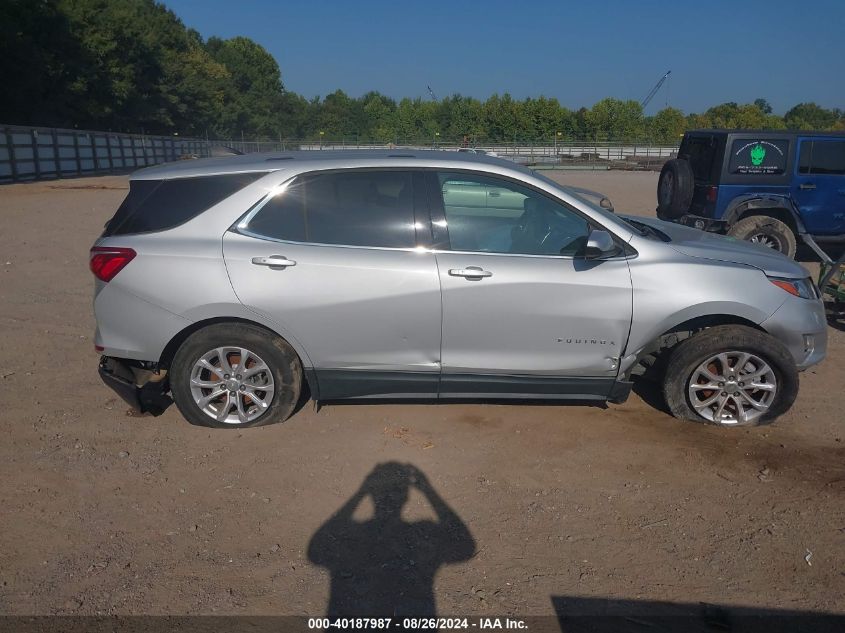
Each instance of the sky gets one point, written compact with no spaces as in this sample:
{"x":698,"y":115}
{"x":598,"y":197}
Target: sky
{"x":579,"y":52}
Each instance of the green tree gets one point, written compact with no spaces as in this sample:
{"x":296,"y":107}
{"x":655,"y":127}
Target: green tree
{"x":667,"y":126}
{"x":764,"y":105}
{"x":616,"y":120}
{"x":810,"y":116}
{"x":255,"y":99}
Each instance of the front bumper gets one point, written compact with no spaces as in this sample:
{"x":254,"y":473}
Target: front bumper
{"x":801,"y":325}
{"x":148,"y":397}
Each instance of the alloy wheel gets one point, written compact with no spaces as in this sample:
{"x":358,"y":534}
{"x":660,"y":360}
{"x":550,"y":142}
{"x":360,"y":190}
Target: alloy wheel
{"x":732,"y":388}
{"x":232,"y":385}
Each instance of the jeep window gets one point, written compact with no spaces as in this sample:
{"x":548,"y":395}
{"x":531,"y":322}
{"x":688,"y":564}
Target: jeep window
{"x":158,"y":205}
{"x":354,"y":208}
{"x":822,"y":157}
{"x":508,"y":218}
{"x":701,"y":150}
{"x":759,"y":157}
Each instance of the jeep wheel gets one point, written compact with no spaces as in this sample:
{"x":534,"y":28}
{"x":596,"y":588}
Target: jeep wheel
{"x":674,"y":188}
{"x":234,"y":376}
{"x":730,"y":375}
{"x":766,"y":231}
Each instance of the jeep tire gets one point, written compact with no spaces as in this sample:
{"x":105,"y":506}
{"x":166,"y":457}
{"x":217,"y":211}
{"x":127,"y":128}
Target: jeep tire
{"x":675,"y":188}
{"x":766,"y":231}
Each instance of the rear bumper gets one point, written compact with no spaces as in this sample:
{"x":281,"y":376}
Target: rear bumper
{"x":702,"y":223}
{"x":149,"y":397}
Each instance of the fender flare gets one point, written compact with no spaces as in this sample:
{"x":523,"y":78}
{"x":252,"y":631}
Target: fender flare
{"x":749,"y":202}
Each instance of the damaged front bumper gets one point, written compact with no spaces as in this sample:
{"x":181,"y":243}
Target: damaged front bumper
{"x":145,"y":390}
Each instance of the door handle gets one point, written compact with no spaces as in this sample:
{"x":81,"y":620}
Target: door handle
{"x":274,"y":261}
{"x":494,"y":194}
{"x":470,"y":272}
{"x":806,"y":185}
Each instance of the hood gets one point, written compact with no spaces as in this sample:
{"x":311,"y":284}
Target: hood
{"x":721,"y":248}
{"x":593,"y":196}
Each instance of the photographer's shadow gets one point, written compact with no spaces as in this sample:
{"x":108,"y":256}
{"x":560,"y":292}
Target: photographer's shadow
{"x":385,"y":566}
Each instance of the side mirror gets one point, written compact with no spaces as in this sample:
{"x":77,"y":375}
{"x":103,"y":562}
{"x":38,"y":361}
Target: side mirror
{"x":599,"y":244}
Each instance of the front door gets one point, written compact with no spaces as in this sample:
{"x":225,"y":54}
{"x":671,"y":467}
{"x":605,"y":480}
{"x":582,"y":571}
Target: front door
{"x":332,"y":260}
{"x":819,"y":185}
{"x":523,"y":310}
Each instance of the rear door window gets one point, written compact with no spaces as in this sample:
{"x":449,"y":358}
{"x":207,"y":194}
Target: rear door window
{"x":759,"y":157}
{"x":822,"y":157}
{"x":353,"y":208}
{"x":158,"y":205}
{"x":701,"y":151}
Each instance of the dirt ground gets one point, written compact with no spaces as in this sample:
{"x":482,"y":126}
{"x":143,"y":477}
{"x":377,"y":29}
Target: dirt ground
{"x":105,"y":513}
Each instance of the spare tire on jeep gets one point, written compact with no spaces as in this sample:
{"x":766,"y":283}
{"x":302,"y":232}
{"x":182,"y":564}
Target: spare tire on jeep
{"x":674,"y":188}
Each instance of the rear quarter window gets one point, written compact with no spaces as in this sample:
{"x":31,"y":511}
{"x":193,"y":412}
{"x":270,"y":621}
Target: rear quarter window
{"x":758,"y":157}
{"x":158,"y":205}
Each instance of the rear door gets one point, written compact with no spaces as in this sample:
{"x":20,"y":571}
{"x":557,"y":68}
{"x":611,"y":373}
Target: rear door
{"x":819,"y":185}
{"x":332,"y":260}
{"x":523,"y":312}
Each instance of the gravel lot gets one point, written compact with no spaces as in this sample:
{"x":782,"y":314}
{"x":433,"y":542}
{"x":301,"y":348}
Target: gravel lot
{"x":103,"y":512}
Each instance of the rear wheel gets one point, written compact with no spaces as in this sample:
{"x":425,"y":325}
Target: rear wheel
{"x":235,"y":376}
{"x":730,"y":375}
{"x":766,"y":231}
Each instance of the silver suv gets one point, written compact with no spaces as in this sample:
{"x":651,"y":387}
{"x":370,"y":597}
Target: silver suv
{"x":236,"y":284}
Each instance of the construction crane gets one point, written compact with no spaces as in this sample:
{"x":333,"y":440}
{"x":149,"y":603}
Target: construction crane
{"x":654,"y":90}
{"x":431,"y":92}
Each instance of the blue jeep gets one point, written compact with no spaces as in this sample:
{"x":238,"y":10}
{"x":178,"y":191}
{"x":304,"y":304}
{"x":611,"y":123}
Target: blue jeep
{"x":764,"y":187}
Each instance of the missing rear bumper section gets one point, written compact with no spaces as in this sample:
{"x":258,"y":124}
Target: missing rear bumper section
{"x":142,"y":389}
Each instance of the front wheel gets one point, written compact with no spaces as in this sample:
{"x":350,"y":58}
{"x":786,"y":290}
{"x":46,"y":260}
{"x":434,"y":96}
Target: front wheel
{"x":235,"y":375}
{"x":766,"y":231}
{"x":730,"y":375}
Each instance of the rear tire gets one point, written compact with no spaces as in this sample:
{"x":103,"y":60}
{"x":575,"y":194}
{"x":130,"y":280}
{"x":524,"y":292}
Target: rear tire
{"x":675,"y":188}
{"x":199,"y":371}
{"x":766,"y":231}
{"x":762,"y":360}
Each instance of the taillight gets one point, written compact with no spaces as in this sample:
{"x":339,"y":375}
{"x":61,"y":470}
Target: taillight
{"x":712,"y":194}
{"x":107,"y":261}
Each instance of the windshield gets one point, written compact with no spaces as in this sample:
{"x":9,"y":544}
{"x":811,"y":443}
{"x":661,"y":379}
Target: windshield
{"x":611,"y":218}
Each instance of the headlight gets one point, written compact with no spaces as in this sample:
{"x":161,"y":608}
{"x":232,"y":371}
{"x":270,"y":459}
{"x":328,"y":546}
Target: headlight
{"x":804,"y":288}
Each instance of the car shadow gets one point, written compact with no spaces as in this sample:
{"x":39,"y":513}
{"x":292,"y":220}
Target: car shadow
{"x":385,"y":565}
{"x":650,"y":392}
{"x":599,"y":615}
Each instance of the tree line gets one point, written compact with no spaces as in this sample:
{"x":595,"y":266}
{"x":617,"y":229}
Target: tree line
{"x":133,"y":66}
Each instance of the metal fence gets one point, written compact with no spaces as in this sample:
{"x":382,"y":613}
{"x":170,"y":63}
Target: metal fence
{"x":36,"y":153}
{"x":572,"y":153}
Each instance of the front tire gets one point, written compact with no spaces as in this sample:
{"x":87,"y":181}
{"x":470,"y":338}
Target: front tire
{"x":235,"y":375}
{"x":730,"y":375}
{"x":766,"y":231}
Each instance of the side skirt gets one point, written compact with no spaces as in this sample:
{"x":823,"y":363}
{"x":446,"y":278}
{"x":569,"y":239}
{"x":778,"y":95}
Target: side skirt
{"x":346,"y":384}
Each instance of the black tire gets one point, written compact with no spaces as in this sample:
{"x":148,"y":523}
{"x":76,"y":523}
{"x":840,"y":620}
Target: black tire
{"x":690,"y":353}
{"x":279,"y":356}
{"x":675,"y":188}
{"x":767,"y":231}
